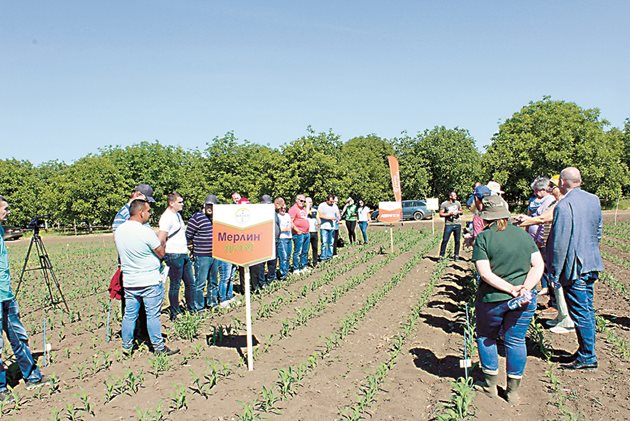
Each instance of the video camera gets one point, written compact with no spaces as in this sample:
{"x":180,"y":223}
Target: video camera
{"x":37,"y":222}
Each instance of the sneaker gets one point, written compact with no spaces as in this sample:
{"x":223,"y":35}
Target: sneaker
{"x":6,"y":397}
{"x":34,"y":385}
{"x":306,"y":270}
{"x":560,"y":329}
{"x":168,"y":351}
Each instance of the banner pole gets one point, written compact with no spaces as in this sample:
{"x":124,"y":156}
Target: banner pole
{"x":391,"y":237}
{"x":433,"y":224}
{"x":248,"y":321}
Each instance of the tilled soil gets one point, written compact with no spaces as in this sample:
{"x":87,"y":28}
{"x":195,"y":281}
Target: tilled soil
{"x":415,"y":389}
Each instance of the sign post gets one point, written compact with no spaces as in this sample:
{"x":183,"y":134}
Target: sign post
{"x":244,"y":235}
{"x":433,"y":205}
{"x":390,"y":212}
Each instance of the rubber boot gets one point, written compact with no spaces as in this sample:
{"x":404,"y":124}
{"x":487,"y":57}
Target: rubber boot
{"x":489,"y":385}
{"x":512,"y":390}
{"x":562,"y":320}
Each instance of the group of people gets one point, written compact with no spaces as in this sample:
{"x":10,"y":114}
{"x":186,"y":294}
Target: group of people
{"x":559,"y":247}
{"x":186,"y":250}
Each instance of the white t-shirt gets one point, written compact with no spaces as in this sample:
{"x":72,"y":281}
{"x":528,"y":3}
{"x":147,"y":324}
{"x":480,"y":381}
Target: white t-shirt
{"x":285,"y":222}
{"x":328,"y":212}
{"x":170,"y":222}
{"x":364,"y":214}
{"x":312,"y":224}
{"x":135,"y":243}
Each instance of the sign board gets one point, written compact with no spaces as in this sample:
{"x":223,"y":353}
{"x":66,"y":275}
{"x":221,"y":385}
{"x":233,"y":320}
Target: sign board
{"x":389,"y":212}
{"x":433,"y":203}
{"x":244,"y":234}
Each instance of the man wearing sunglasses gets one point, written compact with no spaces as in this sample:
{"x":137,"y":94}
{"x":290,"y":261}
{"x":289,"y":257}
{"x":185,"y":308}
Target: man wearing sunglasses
{"x":301,"y":237}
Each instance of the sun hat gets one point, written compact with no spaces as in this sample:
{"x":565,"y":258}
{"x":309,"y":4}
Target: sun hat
{"x":495,"y":187}
{"x":494,"y":207}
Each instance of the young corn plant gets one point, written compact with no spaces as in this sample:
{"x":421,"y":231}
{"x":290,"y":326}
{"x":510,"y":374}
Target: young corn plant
{"x":187,"y":326}
{"x":179,"y":400}
{"x":160,"y":363}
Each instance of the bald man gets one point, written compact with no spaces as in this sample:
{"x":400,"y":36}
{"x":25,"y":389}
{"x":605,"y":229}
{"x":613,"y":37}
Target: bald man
{"x":574,"y":260}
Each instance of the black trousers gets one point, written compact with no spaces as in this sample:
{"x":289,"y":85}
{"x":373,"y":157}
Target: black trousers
{"x":352,"y":226}
{"x":314,"y":240}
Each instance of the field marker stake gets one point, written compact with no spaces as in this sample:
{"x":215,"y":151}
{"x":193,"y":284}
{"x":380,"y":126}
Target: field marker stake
{"x":45,"y":347}
{"x":248,"y":321}
{"x":108,"y":328}
{"x":466,"y":344}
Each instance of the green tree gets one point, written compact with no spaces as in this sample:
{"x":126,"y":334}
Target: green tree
{"x":311,"y":165}
{"x":20,"y":186}
{"x":414,"y":173}
{"x":451,"y":160}
{"x":366,"y":170}
{"x":546,"y":136}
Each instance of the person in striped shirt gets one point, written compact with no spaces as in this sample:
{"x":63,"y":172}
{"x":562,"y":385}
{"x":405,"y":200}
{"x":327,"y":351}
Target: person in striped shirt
{"x":142,"y":191}
{"x":199,"y":237}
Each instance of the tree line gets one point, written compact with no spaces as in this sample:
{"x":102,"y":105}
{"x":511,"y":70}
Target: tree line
{"x":539,"y":139}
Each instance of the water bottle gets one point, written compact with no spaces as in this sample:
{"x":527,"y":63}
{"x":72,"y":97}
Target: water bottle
{"x":517,"y":302}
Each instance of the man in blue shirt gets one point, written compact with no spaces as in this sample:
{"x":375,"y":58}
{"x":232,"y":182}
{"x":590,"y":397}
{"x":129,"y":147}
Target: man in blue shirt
{"x":12,"y":326}
{"x":142,"y":191}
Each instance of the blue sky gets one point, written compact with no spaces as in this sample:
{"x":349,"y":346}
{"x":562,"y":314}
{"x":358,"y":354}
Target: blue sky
{"x":78,"y":75}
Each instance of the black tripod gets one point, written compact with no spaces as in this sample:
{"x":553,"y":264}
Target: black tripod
{"x":45,"y":265}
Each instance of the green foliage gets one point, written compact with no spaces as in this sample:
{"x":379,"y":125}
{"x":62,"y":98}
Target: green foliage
{"x":546,"y":136}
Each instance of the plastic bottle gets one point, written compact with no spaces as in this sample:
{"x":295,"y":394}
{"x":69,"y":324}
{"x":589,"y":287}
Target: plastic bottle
{"x":517,"y":302}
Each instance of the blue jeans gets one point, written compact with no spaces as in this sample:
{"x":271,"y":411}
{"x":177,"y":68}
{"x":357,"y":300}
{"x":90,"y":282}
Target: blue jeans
{"x":579,"y":296}
{"x":206,"y":272}
{"x":179,"y":267}
{"x":152,"y":297}
{"x":271,"y":269}
{"x":363,"y":226}
{"x":456,"y":230}
{"x":18,"y":338}
{"x":284,"y":251}
{"x":300,"y":250}
{"x":492,"y":317}
{"x":327,"y":244}
{"x":226,"y":280}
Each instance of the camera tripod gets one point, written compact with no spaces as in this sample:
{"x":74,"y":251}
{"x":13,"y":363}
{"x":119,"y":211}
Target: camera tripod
{"x":45,"y":265}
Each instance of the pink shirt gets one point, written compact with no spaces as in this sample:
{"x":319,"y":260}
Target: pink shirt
{"x":298,"y":216}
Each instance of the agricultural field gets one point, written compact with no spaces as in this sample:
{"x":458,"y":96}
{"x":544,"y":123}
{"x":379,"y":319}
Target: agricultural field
{"x":370,"y":335}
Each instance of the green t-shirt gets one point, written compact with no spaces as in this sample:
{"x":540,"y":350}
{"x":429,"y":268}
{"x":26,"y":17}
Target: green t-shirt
{"x":5,"y":276}
{"x":351,"y":213}
{"x":510,"y":255}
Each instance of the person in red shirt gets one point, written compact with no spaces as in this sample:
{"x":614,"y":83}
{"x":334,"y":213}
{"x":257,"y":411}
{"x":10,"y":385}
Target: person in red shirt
{"x":301,"y":236}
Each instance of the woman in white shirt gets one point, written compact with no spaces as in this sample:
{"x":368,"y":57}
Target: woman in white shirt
{"x":284,"y":242}
{"x":364,"y":217}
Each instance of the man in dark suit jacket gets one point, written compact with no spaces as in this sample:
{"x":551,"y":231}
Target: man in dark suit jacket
{"x":574,"y":260}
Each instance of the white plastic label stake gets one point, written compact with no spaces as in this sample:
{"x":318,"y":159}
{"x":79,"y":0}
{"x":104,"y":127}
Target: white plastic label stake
{"x":48,"y":347}
{"x":467,"y":363}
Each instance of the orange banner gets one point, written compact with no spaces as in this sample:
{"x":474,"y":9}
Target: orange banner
{"x":395,"y":173}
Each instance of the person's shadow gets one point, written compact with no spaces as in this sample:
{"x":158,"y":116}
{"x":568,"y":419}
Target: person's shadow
{"x":426,"y":360}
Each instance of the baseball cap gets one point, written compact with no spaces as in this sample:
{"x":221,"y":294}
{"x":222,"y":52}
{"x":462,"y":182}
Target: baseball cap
{"x":147,"y":191}
{"x":211,"y":199}
{"x":495,"y":187}
{"x":482,"y":191}
{"x":494,"y":207}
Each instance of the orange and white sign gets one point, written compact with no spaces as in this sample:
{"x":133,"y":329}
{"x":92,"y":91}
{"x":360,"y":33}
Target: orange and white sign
{"x":389,"y":211}
{"x":395,"y":173}
{"x":244,"y":234}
